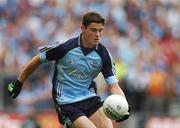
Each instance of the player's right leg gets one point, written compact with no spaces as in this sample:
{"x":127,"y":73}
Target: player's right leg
{"x":72,"y":115}
{"x":76,"y":115}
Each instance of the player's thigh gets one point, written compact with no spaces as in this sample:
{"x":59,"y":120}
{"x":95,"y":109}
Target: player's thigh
{"x":100,"y":119}
{"x":83,"y":122}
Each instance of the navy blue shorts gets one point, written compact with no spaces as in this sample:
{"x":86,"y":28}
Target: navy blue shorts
{"x":68,"y":113}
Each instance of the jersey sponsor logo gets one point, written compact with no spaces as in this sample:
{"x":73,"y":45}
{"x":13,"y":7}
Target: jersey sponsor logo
{"x":78,"y":73}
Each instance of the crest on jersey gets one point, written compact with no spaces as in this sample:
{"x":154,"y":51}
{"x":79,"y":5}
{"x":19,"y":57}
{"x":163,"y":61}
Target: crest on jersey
{"x":94,"y":64}
{"x":71,"y":61}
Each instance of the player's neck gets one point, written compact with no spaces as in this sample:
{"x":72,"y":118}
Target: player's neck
{"x":85,"y":43}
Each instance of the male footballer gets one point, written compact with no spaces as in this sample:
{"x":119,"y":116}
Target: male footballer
{"x":77,"y":62}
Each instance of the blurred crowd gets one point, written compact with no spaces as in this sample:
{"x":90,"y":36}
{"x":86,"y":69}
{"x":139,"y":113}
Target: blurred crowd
{"x":142,"y":35}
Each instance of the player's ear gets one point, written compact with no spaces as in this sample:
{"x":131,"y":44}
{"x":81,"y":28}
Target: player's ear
{"x":83,"y":28}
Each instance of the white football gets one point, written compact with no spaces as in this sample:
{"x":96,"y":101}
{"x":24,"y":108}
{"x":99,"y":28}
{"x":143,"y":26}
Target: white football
{"x":115,"y":106}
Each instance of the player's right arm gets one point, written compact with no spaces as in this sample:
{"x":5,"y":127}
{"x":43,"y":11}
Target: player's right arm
{"x":29,"y":68}
{"x":47,"y":53}
{"x":15,"y":87}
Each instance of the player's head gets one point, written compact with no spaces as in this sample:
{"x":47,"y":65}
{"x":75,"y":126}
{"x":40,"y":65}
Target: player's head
{"x":92,"y":17}
{"x":92,"y":27}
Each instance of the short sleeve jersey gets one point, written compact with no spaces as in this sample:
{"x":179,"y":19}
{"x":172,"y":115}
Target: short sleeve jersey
{"x":76,"y":67}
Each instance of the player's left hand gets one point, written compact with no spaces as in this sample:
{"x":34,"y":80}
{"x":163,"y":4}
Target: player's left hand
{"x":14,"y":88}
{"x":126,"y":116}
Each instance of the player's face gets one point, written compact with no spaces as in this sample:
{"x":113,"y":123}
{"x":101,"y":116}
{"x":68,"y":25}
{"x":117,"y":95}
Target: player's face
{"x":92,"y":34}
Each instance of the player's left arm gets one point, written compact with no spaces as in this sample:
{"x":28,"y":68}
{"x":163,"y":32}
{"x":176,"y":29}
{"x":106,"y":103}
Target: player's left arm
{"x":109,"y":72}
{"x":115,"y":89}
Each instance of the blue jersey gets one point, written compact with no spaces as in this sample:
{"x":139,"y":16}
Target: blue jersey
{"x":75,"y":69}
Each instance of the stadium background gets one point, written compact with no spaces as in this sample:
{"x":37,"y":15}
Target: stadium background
{"x":142,"y":35}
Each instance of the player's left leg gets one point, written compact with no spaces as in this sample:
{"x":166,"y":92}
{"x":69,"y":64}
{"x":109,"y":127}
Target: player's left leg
{"x":100,"y":119}
{"x":83,"y":122}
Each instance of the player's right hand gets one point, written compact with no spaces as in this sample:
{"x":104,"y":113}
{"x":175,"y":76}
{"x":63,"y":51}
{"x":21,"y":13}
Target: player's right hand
{"x":14,"y":88}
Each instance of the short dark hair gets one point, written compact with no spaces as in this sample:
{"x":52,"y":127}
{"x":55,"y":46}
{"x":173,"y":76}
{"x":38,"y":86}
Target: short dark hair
{"x":92,"y":17}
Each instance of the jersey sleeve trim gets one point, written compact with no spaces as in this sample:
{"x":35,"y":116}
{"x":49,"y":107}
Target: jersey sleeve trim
{"x":108,"y":68}
{"x":42,"y":56}
{"x":111,"y":80}
{"x":43,"y":51}
{"x":55,"y":52}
